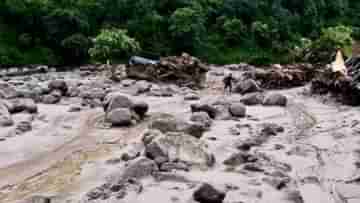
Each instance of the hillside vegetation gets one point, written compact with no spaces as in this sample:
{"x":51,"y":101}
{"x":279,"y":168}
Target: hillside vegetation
{"x":219,"y":31}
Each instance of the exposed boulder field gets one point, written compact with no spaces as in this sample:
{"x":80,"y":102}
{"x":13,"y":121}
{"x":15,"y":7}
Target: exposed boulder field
{"x":78,"y":137}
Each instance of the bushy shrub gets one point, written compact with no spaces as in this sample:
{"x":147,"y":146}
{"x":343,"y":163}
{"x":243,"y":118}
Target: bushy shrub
{"x":332,"y":39}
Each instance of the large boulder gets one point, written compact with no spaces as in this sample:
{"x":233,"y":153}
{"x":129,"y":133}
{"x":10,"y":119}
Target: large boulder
{"x":116,"y":100}
{"x":275,"y":100}
{"x":208,"y":194}
{"x":168,"y":123}
{"x":5,"y":117}
{"x":237,"y":110}
{"x":20,"y":105}
{"x":255,"y":98}
{"x":58,"y":85}
{"x":119,"y":117}
{"x":7,"y":91}
{"x":246,"y":86}
{"x":179,"y":147}
{"x":201,"y":117}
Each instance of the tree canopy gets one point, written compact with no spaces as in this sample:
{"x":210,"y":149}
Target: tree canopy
{"x":220,"y":31}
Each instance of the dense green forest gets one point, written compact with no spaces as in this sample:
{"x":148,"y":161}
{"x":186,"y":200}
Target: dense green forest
{"x":219,"y":31}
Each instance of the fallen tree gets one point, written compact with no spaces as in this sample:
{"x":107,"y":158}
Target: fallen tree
{"x":183,"y":70}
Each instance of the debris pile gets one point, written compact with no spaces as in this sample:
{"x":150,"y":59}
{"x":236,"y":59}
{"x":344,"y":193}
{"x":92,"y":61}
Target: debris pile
{"x":183,"y":70}
{"x":286,"y":76}
{"x":339,"y":79}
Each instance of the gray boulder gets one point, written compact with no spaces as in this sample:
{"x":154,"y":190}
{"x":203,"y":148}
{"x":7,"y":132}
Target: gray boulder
{"x":275,"y":100}
{"x":253,"y":99}
{"x":237,"y":110}
{"x":119,"y":117}
{"x":246,"y":86}
{"x":201,"y":117}
{"x":180,"y":147}
{"x":116,"y":100}
{"x":168,"y":123}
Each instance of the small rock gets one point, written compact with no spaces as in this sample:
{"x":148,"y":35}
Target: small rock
{"x":191,"y":97}
{"x":253,"y":167}
{"x":234,"y":131}
{"x":23,"y":126}
{"x":239,"y":158}
{"x":74,"y":109}
{"x":208,"y":194}
{"x":169,"y":166}
{"x":271,"y":129}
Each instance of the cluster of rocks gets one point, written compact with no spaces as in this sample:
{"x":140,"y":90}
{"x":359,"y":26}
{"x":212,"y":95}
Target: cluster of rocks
{"x":122,"y":111}
{"x":183,"y":70}
{"x":13,"y":106}
{"x":169,"y":144}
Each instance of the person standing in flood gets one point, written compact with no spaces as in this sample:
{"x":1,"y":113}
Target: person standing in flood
{"x":228,"y":83}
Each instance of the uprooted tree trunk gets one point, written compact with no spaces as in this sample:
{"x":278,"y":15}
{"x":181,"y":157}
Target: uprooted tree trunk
{"x":183,"y":70}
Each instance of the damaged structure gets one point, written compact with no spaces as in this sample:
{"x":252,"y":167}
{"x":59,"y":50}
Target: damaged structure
{"x":340,"y":79}
{"x":183,"y":70}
